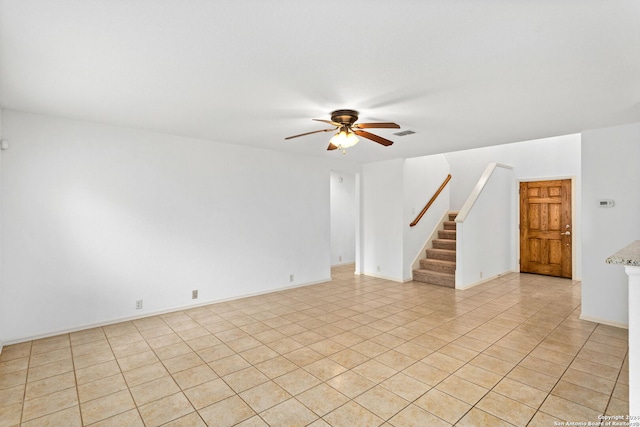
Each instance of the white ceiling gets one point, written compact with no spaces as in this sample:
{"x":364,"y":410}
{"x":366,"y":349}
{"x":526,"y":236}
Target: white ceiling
{"x":461,"y":74}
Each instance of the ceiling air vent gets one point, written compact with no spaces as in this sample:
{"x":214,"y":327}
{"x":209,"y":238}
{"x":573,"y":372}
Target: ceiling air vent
{"x":404,"y":133}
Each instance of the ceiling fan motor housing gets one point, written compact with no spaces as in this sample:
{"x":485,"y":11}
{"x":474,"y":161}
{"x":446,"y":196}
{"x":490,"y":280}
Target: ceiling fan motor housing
{"x":344,"y":117}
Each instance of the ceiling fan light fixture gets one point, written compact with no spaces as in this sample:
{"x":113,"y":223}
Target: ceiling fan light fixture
{"x":344,"y":139}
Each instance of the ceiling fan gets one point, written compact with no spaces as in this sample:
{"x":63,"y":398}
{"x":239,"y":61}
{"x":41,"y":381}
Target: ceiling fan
{"x":345,"y":121}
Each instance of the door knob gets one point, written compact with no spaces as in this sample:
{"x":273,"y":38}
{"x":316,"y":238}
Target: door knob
{"x":566,"y":233}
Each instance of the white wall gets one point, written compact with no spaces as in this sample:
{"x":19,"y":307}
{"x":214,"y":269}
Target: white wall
{"x":97,"y":217}
{"x":422,"y":178}
{"x":485,"y":237}
{"x":548,"y":158}
{"x":343,"y":218}
{"x":394,"y":192}
{"x":2,"y":325}
{"x":610,"y":170}
{"x":382,"y":219}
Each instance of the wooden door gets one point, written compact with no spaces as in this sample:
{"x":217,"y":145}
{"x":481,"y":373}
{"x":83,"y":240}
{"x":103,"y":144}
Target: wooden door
{"x":546,"y":232}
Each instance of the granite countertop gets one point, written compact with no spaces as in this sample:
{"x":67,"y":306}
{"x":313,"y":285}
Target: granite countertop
{"x":629,"y":255}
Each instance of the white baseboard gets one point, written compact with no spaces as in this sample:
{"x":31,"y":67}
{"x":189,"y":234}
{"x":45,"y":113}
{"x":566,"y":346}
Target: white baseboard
{"x":604,"y":322}
{"x":488,"y":279}
{"x":155,"y":313}
{"x":380,"y":276}
{"x":340,"y":264}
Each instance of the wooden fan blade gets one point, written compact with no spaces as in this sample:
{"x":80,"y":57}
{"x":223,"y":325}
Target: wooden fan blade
{"x":388,"y":125}
{"x":332,"y":147}
{"x":328,"y":121}
{"x":375,"y":138}
{"x":309,"y":133}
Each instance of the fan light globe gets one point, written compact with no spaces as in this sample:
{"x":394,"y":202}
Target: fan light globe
{"x":344,"y":139}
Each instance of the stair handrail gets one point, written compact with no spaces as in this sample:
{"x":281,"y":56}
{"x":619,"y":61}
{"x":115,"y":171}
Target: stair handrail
{"x":430,"y":202}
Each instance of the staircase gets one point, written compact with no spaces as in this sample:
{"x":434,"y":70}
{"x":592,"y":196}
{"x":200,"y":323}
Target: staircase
{"x":439,"y":268}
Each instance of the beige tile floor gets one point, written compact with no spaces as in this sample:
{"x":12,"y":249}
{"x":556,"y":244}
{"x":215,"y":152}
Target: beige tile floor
{"x":356,"y":351}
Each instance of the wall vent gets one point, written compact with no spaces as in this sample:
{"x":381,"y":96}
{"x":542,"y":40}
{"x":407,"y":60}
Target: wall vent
{"x":404,"y":133}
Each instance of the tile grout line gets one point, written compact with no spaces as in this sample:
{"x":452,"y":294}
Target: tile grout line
{"x":507,"y":373}
{"x":75,"y":378}
{"x":26,"y":380}
{"x":516,"y":365}
{"x":360,"y":300}
{"x":479,"y":353}
{"x":121,"y":373}
{"x":417,"y":361}
{"x":566,"y":369}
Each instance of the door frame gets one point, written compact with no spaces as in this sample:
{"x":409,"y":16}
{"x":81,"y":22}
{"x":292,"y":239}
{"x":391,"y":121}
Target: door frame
{"x":575,"y":225}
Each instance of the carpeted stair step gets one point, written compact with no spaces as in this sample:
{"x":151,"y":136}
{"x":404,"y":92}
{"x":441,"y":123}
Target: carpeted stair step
{"x":441,"y":254}
{"x":439,"y":268}
{"x":444,"y":244}
{"x":434,"y":278}
{"x":447,"y":234}
{"x":438,"y":265}
{"x":449,"y":225}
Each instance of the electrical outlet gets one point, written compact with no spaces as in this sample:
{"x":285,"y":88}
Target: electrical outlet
{"x":481,"y":274}
{"x":194,"y":294}
{"x":291,"y":278}
{"x":340,"y":258}
{"x":139,"y":304}
{"x":378,"y":269}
